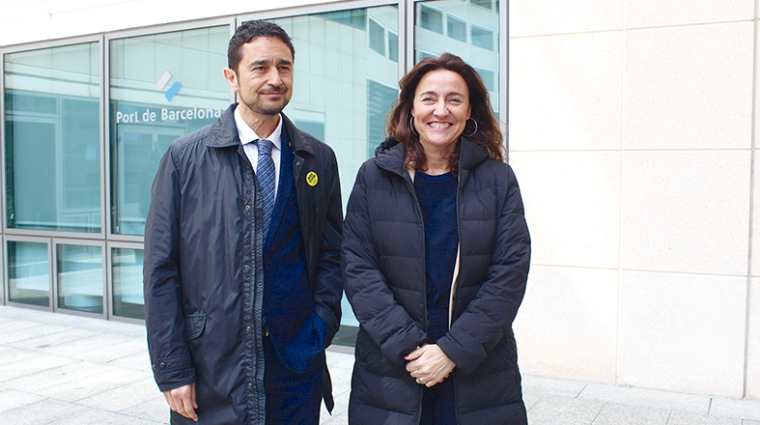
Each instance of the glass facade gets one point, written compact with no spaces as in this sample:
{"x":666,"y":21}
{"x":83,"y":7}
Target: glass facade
{"x":52,"y":139}
{"x":28,"y":273}
{"x":472,"y":33}
{"x":346,"y":102}
{"x":85,"y":124}
{"x":81,"y":282}
{"x":126,"y":269}
{"x":161,"y":87}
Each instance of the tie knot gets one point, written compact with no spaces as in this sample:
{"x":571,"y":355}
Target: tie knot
{"x":265,"y":146}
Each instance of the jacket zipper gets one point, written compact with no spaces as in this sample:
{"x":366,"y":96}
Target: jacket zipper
{"x":410,"y":186}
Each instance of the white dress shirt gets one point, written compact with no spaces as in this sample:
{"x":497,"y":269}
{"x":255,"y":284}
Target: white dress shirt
{"x":247,"y":136}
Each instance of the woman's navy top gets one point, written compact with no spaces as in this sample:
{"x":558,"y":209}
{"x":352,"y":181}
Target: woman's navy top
{"x":437,"y":198}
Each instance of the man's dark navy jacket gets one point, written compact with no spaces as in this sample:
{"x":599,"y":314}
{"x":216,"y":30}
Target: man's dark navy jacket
{"x":204,"y":266}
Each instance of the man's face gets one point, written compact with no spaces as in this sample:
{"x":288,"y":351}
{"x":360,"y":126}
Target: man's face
{"x":264,"y":78}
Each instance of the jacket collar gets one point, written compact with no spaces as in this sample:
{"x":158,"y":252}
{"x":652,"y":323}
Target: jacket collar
{"x":224,"y":133}
{"x":391,"y":155}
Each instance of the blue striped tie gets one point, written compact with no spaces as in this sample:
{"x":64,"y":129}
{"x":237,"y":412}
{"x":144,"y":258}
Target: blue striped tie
{"x":265,"y":174}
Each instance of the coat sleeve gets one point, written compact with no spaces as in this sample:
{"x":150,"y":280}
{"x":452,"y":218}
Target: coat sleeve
{"x":164,"y":320}
{"x":385,"y":321}
{"x":328,"y":290}
{"x":490,"y":314}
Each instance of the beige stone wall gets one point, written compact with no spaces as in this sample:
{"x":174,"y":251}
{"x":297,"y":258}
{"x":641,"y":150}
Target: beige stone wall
{"x":631,"y":134}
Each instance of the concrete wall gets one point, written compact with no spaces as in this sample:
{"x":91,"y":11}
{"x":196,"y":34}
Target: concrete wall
{"x":24,"y":21}
{"x":631,"y":132}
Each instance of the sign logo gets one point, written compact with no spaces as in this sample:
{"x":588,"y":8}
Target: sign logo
{"x":173,"y":90}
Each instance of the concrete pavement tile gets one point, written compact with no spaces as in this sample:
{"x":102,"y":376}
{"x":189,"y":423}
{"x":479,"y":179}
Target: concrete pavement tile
{"x":681,"y":418}
{"x":40,"y":413}
{"x":135,"y":330}
{"x":34,"y":382}
{"x":13,"y":325}
{"x":530,"y":400}
{"x":95,"y":416}
{"x":622,"y":414}
{"x":12,"y":399}
{"x":550,"y":386}
{"x":10,"y":355}
{"x":748,"y":422}
{"x":51,"y":340}
{"x":100,"y":348}
{"x":651,"y":398}
{"x":744,"y":409}
{"x":553,"y":410}
{"x":341,"y":380}
{"x":32,"y":363}
{"x":337,"y":419}
{"x":91,"y":385}
{"x":16,"y":312}
{"x":139,"y":361}
{"x":62,"y":319}
{"x":123,"y":397}
{"x":154,"y":409}
{"x":341,"y":406}
{"x":31,"y":332}
{"x":339,"y":357}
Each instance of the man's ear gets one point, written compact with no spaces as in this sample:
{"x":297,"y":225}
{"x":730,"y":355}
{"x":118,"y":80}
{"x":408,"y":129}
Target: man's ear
{"x":231,"y":77}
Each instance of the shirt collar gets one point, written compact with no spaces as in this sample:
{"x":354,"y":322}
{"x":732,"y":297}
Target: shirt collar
{"x":247,"y":135}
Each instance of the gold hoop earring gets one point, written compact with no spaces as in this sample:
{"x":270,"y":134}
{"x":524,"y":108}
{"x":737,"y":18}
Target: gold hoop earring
{"x":411,"y":125}
{"x":473,"y":131}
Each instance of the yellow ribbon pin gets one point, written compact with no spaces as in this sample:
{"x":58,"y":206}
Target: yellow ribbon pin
{"x":312,"y":179}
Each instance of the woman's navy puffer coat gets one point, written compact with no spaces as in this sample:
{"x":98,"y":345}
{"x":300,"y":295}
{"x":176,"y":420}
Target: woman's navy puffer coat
{"x":383,"y":262}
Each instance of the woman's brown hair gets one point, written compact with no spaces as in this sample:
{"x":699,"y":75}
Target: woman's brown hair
{"x":487,"y":135}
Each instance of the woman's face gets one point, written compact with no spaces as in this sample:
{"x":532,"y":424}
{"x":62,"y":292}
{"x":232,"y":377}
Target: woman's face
{"x":441,"y":109}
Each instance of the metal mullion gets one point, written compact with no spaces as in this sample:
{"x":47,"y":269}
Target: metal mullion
{"x":504,"y":72}
{"x":410,"y":34}
{"x":103,"y":139}
{"x":47,"y":44}
{"x":4,"y":281}
{"x":168,"y":28}
{"x":2,"y":146}
{"x":53,"y":233}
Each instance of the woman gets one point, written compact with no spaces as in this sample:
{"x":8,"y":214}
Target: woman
{"x":435,"y":257}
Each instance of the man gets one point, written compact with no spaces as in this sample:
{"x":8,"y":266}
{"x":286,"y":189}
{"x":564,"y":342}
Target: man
{"x":242,"y":254}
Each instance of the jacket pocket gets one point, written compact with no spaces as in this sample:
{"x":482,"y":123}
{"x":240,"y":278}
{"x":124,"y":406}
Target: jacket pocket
{"x":194,"y":325}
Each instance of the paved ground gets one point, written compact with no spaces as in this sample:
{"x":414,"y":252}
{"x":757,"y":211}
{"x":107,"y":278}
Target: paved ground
{"x":61,"y":369}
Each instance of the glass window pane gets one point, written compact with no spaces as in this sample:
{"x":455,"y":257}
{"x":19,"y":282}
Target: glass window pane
{"x":482,"y":52}
{"x":80,"y":278}
{"x":53,"y":139}
{"x":431,"y":19}
{"x":456,"y":28}
{"x":162,"y":87}
{"x":488,"y":4}
{"x":29,"y":273}
{"x":376,"y":37}
{"x":346,"y":84}
{"x":127,"y":265}
{"x":393,"y":46}
{"x":482,"y":37}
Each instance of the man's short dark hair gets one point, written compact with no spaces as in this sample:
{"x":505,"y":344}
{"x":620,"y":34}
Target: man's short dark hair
{"x":249,"y":30}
